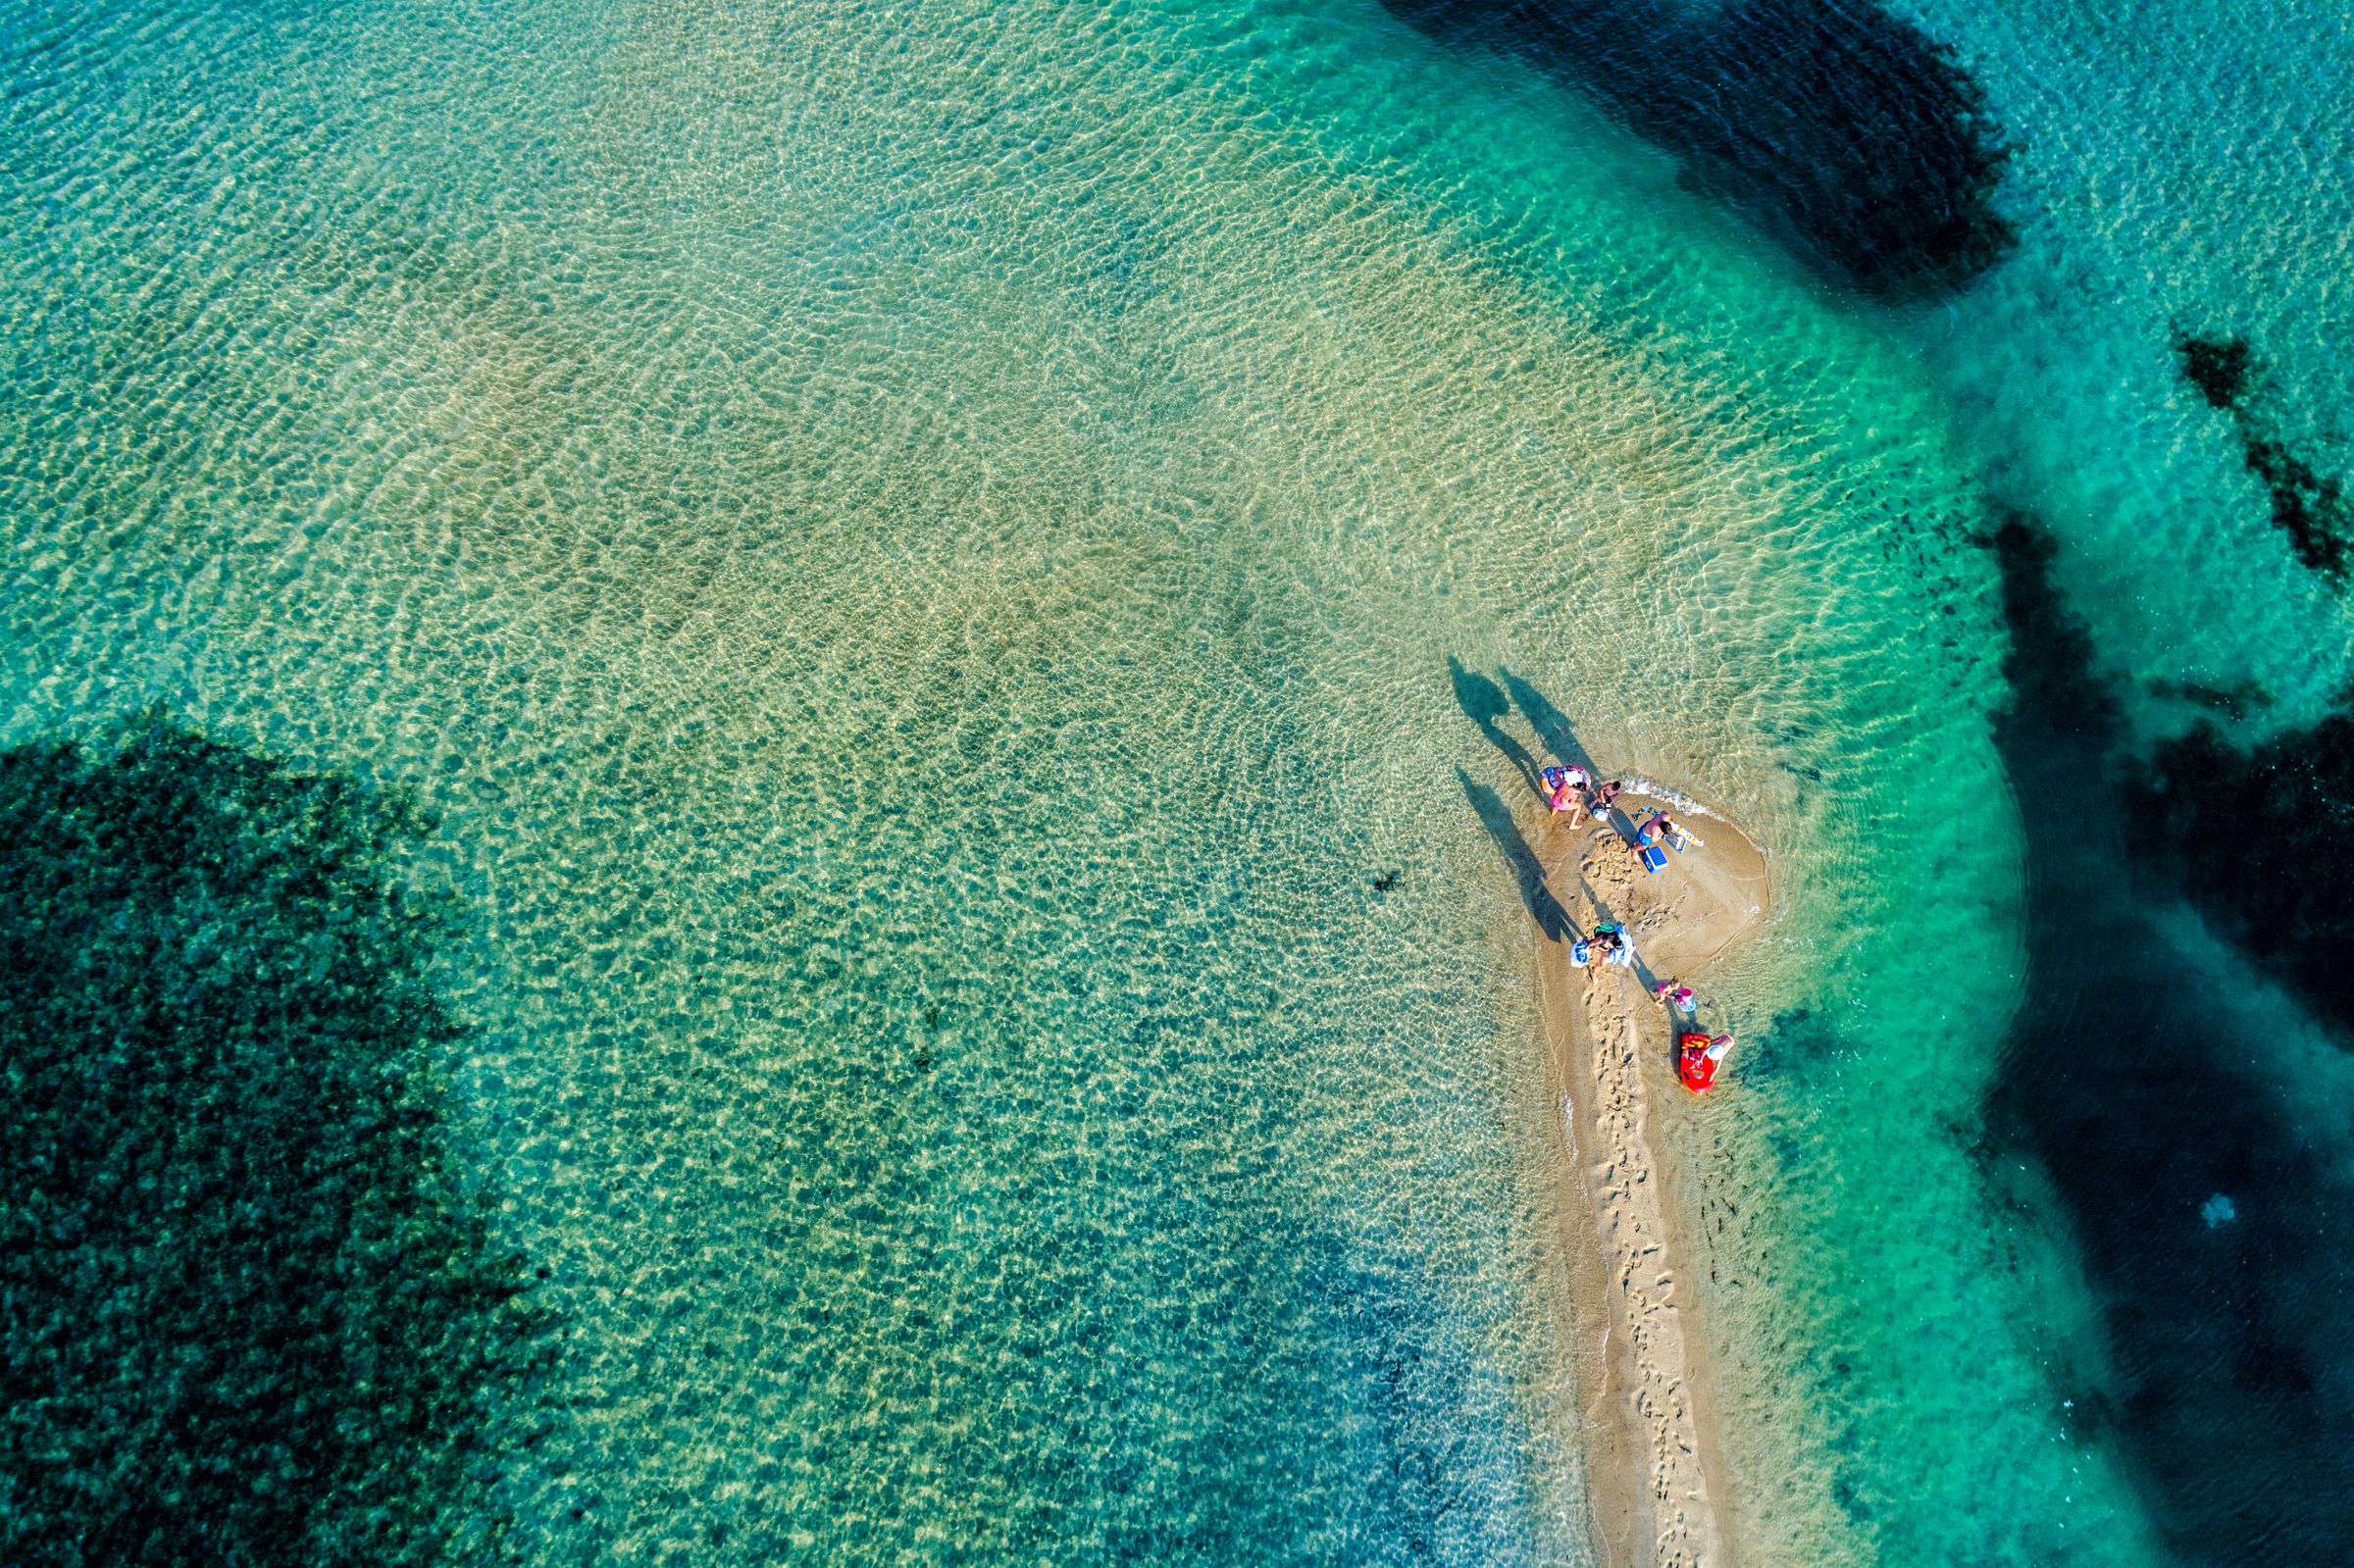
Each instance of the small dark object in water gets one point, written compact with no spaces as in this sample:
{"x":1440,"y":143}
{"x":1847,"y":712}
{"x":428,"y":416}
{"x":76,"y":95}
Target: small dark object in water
{"x":2235,"y":701}
{"x":1385,"y":881}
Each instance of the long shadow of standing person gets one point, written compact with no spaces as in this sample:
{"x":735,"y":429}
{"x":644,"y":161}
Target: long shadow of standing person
{"x":1497,"y":817}
{"x":1483,"y":702}
{"x":1549,"y":722}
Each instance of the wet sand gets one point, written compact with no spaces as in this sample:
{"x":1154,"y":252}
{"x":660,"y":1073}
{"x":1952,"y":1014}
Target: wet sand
{"x":1658,"y":1492}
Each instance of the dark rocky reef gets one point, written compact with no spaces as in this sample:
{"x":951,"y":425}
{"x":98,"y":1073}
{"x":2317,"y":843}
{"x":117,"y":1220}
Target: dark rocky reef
{"x":1849,"y":133}
{"x":2218,"y":367}
{"x":2307,"y":505}
{"x":2264,"y":838}
{"x":250,"y":1312}
{"x":2210,"y":1223}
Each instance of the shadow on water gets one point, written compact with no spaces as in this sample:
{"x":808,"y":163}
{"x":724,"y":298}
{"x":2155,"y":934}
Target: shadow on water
{"x":1484,"y":703}
{"x":1549,"y":722}
{"x":1497,"y":817}
{"x":1847,"y":131}
{"x":2212,"y":1226}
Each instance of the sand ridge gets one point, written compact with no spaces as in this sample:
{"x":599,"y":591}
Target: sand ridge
{"x":1658,"y":1492}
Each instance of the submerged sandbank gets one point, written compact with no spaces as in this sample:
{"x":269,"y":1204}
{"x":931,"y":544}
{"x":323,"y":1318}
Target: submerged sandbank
{"x":1659,"y":1494}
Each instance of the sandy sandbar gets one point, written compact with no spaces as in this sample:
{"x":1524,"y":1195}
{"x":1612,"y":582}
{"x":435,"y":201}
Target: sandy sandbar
{"x":1658,"y":1481}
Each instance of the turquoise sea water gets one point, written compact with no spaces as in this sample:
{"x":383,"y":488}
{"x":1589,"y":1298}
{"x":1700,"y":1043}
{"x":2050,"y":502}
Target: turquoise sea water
{"x":915,"y":553}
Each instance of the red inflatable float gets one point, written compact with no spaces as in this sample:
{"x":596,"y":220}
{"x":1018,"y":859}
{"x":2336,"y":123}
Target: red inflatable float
{"x":1698,"y":1058}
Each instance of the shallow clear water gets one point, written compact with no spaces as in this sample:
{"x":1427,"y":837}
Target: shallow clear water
{"x":917,"y":553}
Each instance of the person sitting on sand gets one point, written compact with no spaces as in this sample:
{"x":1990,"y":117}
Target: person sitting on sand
{"x":1676,"y":996}
{"x":1612,"y":946}
{"x":1566,"y":788}
{"x":1604,"y":795}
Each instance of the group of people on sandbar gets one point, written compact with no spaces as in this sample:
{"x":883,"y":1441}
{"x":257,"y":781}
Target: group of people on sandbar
{"x":1569,"y":788}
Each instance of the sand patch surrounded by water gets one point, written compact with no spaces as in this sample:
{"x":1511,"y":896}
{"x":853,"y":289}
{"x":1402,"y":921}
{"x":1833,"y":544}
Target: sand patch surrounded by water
{"x":1658,"y":1492}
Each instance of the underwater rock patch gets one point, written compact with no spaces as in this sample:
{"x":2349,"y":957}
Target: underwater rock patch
{"x":250,"y":1311}
{"x":2307,"y":505}
{"x":2218,"y":367}
{"x":1850,"y":133}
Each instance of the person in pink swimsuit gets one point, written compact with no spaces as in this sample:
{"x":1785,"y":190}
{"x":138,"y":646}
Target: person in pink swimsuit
{"x":1566,"y":790}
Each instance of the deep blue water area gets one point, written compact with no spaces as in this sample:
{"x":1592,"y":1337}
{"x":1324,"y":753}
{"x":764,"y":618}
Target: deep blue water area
{"x":2214,"y":1225}
{"x":2263,"y":836}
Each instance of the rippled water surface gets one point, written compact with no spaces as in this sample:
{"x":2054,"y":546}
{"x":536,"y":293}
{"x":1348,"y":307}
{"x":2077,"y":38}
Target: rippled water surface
{"x":915,"y":553}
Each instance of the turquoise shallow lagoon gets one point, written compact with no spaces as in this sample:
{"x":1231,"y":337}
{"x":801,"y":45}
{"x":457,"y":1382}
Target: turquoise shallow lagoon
{"x":912,"y":555}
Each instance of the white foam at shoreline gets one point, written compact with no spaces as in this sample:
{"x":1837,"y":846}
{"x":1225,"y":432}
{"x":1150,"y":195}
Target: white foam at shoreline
{"x":1637,"y":785}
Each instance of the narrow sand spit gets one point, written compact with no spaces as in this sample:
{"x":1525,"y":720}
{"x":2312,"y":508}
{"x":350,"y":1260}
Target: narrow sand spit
{"x":1658,"y":1492}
